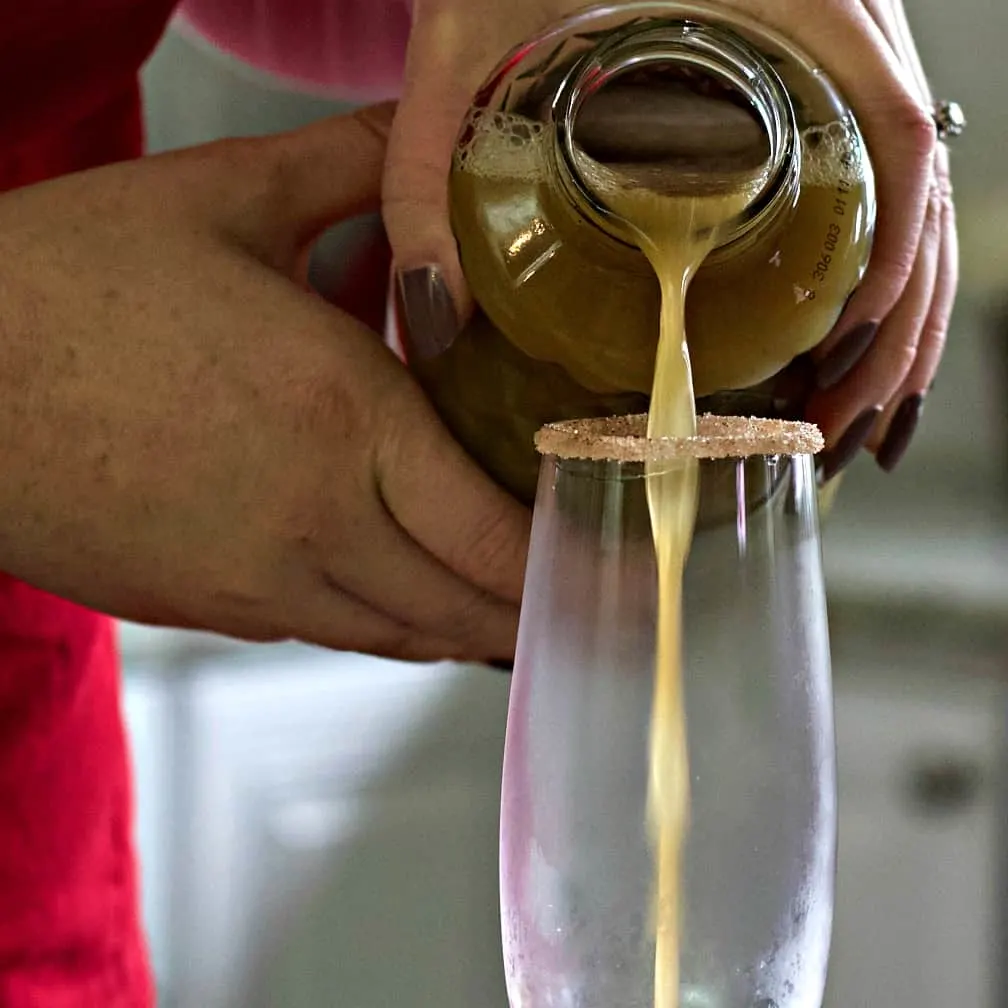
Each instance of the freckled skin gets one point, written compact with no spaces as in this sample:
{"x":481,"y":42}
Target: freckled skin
{"x":193,"y":438}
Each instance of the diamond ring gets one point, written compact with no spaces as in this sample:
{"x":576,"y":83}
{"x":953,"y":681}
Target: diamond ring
{"x":949,"y":119}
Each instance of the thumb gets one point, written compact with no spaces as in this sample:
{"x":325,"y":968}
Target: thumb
{"x":444,"y":67}
{"x":313,"y":177}
{"x":453,"y":46}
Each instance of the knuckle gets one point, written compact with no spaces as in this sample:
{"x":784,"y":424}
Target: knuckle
{"x":915,"y":127}
{"x":934,"y":218}
{"x":934,"y":336}
{"x":896,"y":266}
{"x":412,"y":161}
{"x":410,"y":189}
{"x":899,"y":362}
{"x":890,"y":361}
{"x":940,"y":197}
{"x":492,"y":544}
{"x":941,"y":175}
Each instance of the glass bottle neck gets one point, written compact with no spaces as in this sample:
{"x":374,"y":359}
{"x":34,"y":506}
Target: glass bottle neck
{"x":713,"y":53}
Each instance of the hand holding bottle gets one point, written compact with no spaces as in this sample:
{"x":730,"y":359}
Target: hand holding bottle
{"x":885,"y":350}
{"x":870,"y":373}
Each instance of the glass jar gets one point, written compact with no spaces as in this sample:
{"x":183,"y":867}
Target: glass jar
{"x":569,"y":306}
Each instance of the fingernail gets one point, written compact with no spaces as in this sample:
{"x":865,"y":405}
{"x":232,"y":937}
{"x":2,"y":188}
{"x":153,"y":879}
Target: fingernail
{"x":840,"y":455}
{"x":845,"y":354}
{"x":427,"y":311}
{"x":901,"y":432}
{"x":502,"y":666}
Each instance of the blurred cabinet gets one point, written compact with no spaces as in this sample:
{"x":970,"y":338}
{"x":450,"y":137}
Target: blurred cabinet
{"x":917,"y":918}
{"x":321,"y":830}
{"x":329,"y":833}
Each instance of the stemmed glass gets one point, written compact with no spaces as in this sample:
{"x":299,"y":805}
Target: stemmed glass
{"x":577,"y":864}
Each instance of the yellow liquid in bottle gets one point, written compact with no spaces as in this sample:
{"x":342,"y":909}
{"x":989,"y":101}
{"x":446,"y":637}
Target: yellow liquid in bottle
{"x":570,"y":318}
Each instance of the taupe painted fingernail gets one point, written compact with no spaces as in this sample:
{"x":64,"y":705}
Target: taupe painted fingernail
{"x":832,"y":368}
{"x":901,"y":431}
{"x":429,"y":319}
{"x":840,"y":455}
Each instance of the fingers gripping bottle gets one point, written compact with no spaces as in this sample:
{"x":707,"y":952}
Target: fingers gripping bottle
{"x":568,"y":317}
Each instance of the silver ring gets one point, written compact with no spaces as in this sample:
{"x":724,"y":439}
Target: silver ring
{"x":949,"y":119}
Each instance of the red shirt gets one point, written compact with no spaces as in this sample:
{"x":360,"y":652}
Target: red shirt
{"x":70,"y":935}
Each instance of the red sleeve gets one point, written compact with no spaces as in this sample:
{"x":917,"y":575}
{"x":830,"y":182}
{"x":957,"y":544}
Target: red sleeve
{"x":70,"y":935}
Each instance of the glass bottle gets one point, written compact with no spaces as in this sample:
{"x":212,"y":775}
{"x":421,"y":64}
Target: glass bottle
{"x":569,"y":306}
{"x":577,"y":863}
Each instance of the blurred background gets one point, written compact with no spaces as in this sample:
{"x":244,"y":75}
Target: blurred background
{"x":321,"y":829}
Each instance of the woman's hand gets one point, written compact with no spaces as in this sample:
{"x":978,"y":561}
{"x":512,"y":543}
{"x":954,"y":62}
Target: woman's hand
{"x":876,"y":368}
{"x":189,"y":437}
{"x":871,"y":373}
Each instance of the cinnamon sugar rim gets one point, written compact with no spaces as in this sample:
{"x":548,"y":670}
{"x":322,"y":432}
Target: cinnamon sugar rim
{"x":624,"y":439}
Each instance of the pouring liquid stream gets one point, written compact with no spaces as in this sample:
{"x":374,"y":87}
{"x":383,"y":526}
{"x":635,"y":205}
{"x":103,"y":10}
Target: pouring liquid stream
{"x":678,"y":221}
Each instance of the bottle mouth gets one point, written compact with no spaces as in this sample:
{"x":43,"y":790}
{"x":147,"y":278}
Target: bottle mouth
{"x":676,"y":103}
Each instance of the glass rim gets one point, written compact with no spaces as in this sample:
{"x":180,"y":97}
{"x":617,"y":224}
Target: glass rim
{"x":624,"y":439}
